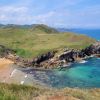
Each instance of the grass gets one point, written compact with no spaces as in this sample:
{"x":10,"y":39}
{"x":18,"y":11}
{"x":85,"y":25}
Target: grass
{"x":31,"y":42}
{"x":21,"y":92}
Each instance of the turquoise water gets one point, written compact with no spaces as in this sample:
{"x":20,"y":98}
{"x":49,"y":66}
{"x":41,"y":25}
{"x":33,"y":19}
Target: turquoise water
{"x":82,"y":75}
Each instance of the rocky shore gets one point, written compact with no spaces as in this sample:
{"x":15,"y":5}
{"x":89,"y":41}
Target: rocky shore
{"x":53,"y":59}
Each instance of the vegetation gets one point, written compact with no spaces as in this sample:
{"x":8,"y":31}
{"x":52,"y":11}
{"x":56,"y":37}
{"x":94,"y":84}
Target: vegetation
{"x":20,"y":92}
{"x":30,"y":41}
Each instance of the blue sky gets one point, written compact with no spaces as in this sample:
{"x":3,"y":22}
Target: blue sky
{"x":58,"y":13}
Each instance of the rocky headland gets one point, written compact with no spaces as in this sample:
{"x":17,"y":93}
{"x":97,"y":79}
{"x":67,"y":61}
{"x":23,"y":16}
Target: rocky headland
{"x":54,"y":59}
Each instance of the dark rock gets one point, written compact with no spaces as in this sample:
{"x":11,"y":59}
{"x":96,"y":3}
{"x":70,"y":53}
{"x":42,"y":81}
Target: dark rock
{"x":69,"y":56}
{"x":43,"y":57}
{"x":72,"y":55}
{"x":92,"y":49}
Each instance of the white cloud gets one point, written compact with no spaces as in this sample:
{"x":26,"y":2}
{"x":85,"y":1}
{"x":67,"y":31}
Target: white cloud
{"x":60,"y":15}
{"x":2,"y":17}
{"x":11,"y":13}
{"x":42,"y":18}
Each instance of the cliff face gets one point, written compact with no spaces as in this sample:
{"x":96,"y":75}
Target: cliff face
{"x":92,"y":49}
{"x":66,"y":57}
{"x":71,"y":56}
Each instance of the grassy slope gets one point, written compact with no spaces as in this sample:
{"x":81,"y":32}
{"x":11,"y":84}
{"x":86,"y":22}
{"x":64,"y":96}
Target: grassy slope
{"x":32,"y":42}
{"x":19,"y":92}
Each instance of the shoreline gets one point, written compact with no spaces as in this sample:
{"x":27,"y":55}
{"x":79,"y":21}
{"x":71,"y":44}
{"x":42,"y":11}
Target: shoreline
{"x":63,"y":67}
{"x":67,"y":65}
{"x":63,"y":58}
{"x":25,"y":71}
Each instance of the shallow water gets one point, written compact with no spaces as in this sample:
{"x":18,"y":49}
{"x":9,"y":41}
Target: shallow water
{"x":83,"y":75}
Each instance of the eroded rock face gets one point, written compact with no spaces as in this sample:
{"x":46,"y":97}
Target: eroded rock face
{"x":93,"y":49}
{"x":43,"y":57}
{"x":72,"y":55}
{"x":69,"y":56}
{"x":49,"y":61}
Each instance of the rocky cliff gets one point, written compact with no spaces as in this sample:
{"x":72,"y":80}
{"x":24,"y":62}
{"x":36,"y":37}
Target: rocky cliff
{"x":52,"y":60}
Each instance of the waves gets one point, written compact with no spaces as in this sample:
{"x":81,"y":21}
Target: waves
{"x":83,"y":61}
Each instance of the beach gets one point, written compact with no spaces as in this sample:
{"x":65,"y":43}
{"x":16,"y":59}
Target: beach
{"x":5,"y":69}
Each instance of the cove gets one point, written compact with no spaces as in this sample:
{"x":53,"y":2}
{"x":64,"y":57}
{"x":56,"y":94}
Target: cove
{"x":81,"y":75}
{"x":85,"y":74}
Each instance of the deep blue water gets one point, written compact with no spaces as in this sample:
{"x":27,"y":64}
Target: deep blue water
{"x":94,"y":33}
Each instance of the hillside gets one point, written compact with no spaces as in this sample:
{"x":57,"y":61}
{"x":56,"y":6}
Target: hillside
{"x":36,"y":39}
{"x":19,"y":92}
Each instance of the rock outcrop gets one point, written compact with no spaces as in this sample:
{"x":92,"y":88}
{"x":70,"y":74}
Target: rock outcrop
{"x":51,"y":59}
{"x":43,"y":57}
{"x":72,"y":55}
{"x":92,"y":49}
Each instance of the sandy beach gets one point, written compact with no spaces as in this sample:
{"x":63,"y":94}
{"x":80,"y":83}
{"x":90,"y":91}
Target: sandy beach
{"x":5,"y":69}
{"x":11,"y":73}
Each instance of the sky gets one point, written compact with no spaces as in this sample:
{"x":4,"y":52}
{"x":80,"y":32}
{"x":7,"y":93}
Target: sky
{"x":56,"y":13}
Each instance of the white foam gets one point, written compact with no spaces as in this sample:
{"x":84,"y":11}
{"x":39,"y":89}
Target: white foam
{"x":22,"y":82}
{"x":66,"y":65}
{"x":83,"y":61}
{"x":92,"y":56}
{"x":25,"y":76}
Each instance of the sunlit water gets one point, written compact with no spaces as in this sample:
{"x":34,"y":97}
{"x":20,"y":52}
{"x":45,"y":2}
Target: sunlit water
{"x":85,"y":74}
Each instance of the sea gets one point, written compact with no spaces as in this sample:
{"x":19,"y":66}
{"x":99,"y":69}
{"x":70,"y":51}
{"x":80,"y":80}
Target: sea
{"x":93,"y":33}
{"x":84,"y":74}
